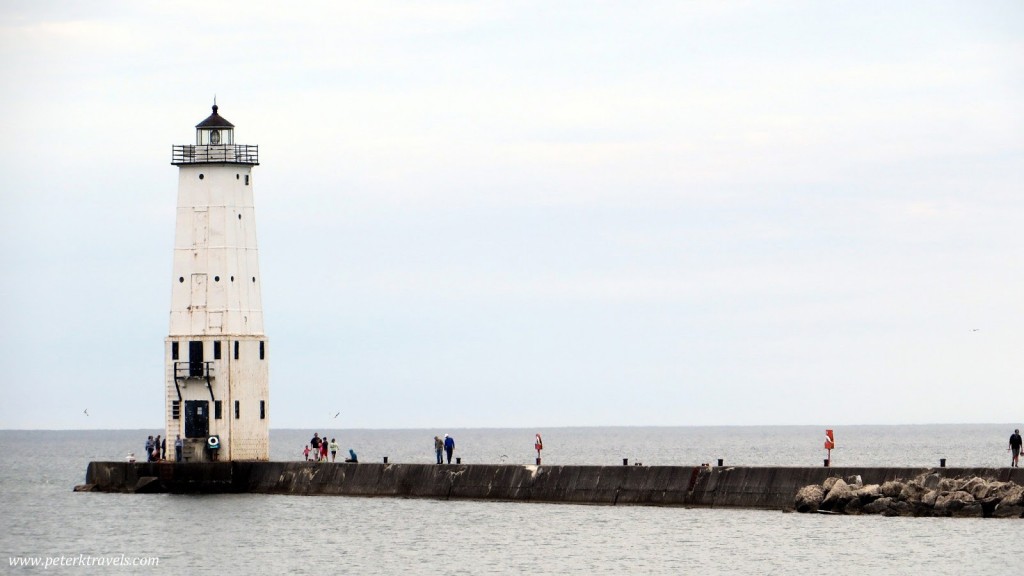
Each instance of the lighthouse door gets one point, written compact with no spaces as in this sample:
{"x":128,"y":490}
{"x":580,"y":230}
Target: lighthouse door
{"x":195,"y":359}
{"x":197,"y":418}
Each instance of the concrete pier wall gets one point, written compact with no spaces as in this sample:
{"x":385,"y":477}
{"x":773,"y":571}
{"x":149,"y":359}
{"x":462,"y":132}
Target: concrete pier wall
{"x":745,"y":487}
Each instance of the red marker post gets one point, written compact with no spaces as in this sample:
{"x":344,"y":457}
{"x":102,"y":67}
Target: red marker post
{"x":538,"y":444}
{"x":830,"y":443}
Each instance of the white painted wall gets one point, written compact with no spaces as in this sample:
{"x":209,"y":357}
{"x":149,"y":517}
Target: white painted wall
{"x":215,"y":251}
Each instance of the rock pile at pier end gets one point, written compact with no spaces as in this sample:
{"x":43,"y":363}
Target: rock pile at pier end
{"x":928,"y":494}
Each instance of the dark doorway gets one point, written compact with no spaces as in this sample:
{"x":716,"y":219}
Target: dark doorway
{"x":195,"y":359}
{"x":197,"y":418}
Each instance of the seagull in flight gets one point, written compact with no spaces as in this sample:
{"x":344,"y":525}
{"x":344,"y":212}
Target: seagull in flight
{"x":336,"y":415}
{"x":86,"y":411}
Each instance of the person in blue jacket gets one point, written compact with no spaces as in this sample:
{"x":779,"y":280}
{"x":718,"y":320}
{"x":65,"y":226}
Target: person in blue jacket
{"x":449,"y":447}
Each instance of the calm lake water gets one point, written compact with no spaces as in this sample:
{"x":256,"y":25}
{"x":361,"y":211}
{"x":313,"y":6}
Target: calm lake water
{"x":260,"y":534}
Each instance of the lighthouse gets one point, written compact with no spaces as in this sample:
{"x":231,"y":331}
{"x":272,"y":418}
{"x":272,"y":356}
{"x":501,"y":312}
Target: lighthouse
{"x":216,"y":352}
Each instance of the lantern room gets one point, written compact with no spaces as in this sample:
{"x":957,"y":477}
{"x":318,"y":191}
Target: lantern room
{"x":215,"y":131}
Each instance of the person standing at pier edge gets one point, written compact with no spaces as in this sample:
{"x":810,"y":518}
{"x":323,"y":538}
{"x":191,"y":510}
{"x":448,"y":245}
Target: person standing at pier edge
{"x":438,"y":449}
{"x":1015,"y":444}
{"x":449,"y":446}
{"x":149,"y":449}
{"x":179,"y":445}
{"x":163,"y":449}
{"x":156,"y":449}
{"x":314,"y":443}
{"x":323,"y":449}
{"x":334,"y":449}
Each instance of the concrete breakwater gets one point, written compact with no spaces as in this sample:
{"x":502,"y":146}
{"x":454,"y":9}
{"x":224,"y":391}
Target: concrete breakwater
{"x":697,"y":486}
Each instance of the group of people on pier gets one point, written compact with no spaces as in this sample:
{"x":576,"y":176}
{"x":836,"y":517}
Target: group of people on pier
{"x":318,"y":448}
{"x":156,"y":449}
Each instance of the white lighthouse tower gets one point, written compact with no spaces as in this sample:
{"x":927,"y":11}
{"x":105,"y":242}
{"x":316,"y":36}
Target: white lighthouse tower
{"x":217,"y":378}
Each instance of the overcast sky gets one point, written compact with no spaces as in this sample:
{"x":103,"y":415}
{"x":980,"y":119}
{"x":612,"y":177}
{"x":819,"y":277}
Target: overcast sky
{"x":518,"y":214}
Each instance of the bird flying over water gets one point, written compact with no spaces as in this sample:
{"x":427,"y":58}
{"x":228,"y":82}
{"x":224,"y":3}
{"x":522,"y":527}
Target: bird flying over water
{"x":336,"y":415}
{"x":86,"y":411}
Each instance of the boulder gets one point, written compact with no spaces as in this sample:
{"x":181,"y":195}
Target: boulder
{"x":855,"y":481}
{"x":912,"y":491}
{"x":930,"y":481}
{"x":809,"y":498}
{"x":1008,"y":511}
{"x":1012,"y":495}
{"x":977,"y":487}
{"x":929,"y":498}
{"x":951,"y":502}
{"x":838,"y":496}
{"x":868,"y":493}
{"x":969,"y":510}
{"x":878,"y":506}
{"x":949,"y":485}
{"x":1001,"y":489}
{"x":891,"y":489}
{"x":899,"y":508}
{"x":829,"y":483}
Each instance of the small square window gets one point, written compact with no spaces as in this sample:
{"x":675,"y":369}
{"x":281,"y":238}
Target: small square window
{"x":236,"y":409}
{"x":217,"y":410}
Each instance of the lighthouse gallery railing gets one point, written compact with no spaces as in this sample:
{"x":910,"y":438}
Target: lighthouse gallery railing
{"x":230,"y":153}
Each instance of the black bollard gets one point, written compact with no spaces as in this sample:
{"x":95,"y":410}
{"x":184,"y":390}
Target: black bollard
{"x":827,"y":462}
{"x":385,"y":459}
{"x":942,"y":462}
{"x":538,"y":461}
{"x":625,"y":461}
{"x":721,"y":462}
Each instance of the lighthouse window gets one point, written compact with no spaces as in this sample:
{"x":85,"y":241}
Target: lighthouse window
{"x":254,"y":279}
{"x":216,"y":278}
{"x":174,"y":350}
{"x":216,"y":349}
{"x":236,"y":176}
{"x":200,"y":176}
{"x":217,"y":412}
{"x":262,"y":349}
{"x":263,"y":409}
{"x":246,"y":179}
{"x":236,"y":349}
{"x":236,"y":409}
{"x":232,"y":278}
{"x":181,"y":279}
{"x":239,"y":216}
{"x":175,"y":409}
